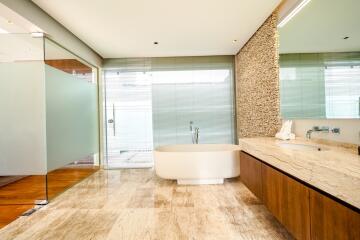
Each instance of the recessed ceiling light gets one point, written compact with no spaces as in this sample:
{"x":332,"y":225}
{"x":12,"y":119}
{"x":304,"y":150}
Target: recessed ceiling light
{"x":346,"y":38}
{"x":156,"y":43}
{"x":10,"y":22}
{"x":234,"y":41}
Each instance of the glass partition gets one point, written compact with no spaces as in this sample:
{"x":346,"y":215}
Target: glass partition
{"x":22,"y":125}
{"x":71,"y":118}
{"x":49,"y":125}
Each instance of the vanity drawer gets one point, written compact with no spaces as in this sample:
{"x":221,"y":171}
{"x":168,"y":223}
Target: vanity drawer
{"x":331,"y":220}
{"x":287,"y":200}
{"x":250,"y":174}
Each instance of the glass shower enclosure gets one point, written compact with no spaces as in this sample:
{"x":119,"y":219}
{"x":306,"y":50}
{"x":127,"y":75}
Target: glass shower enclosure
{"x":151,"y":102}
{"x":129,"y":119}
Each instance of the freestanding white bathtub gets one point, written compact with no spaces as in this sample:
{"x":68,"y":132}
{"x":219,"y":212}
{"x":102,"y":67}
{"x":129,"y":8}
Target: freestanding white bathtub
{"x":197,"y":163}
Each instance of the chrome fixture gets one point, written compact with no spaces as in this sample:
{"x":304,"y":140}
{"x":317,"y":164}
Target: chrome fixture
{"x":194,"y":133}
{"x":335,"y":130}
{"x":316,"y":129}
{"x":112,"y":120}
{"x":196,"y":136}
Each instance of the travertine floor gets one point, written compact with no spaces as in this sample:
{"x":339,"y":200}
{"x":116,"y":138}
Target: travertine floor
{"x":135,"y":204}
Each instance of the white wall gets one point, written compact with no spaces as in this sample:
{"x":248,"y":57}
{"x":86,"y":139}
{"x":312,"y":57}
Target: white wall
{"x":22,"y":121}
{"x":350,"y":129}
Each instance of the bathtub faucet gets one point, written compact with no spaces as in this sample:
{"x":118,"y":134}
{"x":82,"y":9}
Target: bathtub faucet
{"x":196,"y":136}
{"x":194,"y":133}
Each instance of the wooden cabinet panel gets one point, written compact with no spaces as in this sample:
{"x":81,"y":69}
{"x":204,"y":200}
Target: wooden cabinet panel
{"x":332,"y":220}
{"x":250,"y":173}
{"x":287,"y":200}
{"x":304,"y":212}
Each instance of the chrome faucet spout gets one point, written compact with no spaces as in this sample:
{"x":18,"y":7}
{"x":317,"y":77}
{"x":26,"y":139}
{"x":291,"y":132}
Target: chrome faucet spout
{"x":194,"y":133}
{"x":316,"y":129}
{"x":308,"y":134}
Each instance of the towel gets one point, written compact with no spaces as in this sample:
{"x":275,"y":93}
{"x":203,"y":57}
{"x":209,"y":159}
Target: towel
{"x":285,"y":131}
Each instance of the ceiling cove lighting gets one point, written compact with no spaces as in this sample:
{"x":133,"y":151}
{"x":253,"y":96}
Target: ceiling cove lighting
{"x":37,"y":34}
{"x":293,"y":12}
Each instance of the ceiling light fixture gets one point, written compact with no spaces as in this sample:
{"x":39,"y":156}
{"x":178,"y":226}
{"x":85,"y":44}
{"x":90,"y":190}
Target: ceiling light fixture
{"x":346,"y":37}
{"x":10,"y":22}
{"x":234,"y":41}
{"x":293,"y":12}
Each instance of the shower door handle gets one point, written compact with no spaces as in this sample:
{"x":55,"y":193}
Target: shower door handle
{"x":113,"y":120}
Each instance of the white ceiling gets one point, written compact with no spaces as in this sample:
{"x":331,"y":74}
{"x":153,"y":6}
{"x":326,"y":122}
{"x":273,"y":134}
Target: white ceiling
{"x":128,"y":28}
{"x":11,"y":22}
{"x":321,"y":27}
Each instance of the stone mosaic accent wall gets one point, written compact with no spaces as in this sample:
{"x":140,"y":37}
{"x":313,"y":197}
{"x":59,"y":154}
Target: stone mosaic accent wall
{"x":257,"y":83}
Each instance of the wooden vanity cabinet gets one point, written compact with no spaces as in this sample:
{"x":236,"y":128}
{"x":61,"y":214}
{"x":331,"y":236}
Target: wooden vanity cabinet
{"x":303,"y":210}
{"x":331,"y":220}
{"x":287,"y":200}
{"x":251,"y":176}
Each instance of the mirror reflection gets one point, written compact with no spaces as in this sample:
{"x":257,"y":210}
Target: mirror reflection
{"x":320,"y":61}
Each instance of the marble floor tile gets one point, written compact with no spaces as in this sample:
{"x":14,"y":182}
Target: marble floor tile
{"x":136,"y":204}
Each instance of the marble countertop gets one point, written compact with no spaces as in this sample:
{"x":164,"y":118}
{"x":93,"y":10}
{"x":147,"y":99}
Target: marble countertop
{"x":335,"y":171}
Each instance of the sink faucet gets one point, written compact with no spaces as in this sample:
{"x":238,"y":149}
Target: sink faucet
{"x":308,"y":134}
{"x":194,"y":133}
{"x":316,"y":129}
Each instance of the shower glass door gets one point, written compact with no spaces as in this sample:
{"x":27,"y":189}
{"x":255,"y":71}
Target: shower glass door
{"x":128,"y":104}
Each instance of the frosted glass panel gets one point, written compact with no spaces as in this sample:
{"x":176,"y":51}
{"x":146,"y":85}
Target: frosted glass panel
{"x":22,"y":104}
{"x":71,"y":118}
{"x":22,"y":124}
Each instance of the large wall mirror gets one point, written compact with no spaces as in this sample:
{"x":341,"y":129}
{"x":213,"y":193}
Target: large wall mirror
{"x":320,"y":62}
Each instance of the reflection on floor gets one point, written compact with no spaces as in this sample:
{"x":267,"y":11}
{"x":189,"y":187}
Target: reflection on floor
{"x":130,"y":159}
{"x":9,"y":213}
{"x":61,"y":179}
{"x":20,"y":196}
{"x":135,"y":204}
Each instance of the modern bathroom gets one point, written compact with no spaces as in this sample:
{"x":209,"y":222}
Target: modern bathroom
{"x":235,"y":119}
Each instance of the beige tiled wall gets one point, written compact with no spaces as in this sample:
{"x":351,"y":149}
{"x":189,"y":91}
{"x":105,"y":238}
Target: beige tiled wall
{"x":257,"y":83}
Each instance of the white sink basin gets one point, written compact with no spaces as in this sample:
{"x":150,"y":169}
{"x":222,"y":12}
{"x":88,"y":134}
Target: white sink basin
{"x":302,"y":147}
